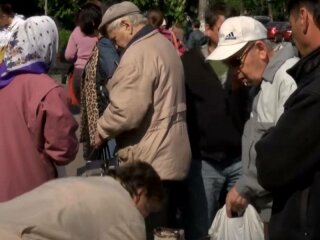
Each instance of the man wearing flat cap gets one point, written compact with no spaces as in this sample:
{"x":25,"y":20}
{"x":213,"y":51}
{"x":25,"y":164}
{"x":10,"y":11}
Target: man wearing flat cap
{"x":147,"y":106}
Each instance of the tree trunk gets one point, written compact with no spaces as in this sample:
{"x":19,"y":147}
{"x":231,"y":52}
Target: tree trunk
{"x":242,"y":8}
{"x":203,"y":4}
{"x":270,"y":13}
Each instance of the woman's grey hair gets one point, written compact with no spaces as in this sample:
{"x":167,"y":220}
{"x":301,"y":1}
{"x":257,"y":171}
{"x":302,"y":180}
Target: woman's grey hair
{"x":134,"y":19}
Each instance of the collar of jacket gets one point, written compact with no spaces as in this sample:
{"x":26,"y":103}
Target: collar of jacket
{"x":282,"y":53}
{"x":140,"y":34}
{"x":306,"y":65}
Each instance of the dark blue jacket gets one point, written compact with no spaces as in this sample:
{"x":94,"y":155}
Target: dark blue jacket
{"x":107,"y":64}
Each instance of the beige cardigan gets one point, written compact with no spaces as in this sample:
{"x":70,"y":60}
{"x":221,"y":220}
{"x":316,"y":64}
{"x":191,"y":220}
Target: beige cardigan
{"x":75,"y":208}
{"x":147,"y":108}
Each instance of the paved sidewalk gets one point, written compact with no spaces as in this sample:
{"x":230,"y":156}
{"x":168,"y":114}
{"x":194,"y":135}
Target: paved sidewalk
{"x":59,"y":71}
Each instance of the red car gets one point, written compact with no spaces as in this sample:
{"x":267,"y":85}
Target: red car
{"x":286,"y":33}
{"x":274,"y":31}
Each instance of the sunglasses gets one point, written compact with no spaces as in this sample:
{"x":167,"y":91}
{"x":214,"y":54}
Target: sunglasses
{"x":238,"y":62}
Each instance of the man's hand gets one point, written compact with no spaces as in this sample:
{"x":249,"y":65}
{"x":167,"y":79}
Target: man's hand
{"x":235,"y":202}
{"x":98,"y":140}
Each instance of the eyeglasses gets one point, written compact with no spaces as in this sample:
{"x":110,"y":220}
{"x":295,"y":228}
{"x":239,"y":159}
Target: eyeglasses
{"x":237,"y":62}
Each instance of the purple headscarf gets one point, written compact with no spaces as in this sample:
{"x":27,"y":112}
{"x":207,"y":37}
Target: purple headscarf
{"x":32,"y":48}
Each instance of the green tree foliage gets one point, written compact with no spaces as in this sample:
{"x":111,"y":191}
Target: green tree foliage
{"x":63,"y":11}
{"x":260,"y":7}
{"x":146,"y":4}
{"x":173,"y":9}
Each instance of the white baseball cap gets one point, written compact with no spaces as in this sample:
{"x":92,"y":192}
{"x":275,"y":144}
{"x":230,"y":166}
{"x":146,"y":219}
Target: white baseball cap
{"x":234,"y":34}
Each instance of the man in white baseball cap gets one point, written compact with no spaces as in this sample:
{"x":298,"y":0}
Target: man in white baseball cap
{"x":256,"y":61}
{"x":236,"y":34}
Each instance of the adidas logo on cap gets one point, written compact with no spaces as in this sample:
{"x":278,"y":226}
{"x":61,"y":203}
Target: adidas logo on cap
{"x":230,"y":36}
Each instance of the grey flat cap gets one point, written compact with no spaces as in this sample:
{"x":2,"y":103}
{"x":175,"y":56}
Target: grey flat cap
{"x":117,"y":11}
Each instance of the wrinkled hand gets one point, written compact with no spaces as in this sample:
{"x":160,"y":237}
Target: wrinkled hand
{"x":98,"y":140}
{"x":235,"y":202}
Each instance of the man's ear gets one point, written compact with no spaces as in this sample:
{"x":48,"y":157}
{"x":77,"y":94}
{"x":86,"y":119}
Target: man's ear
{"x":206,"y":27}
{"x":127,"y":25}
{"x":304,"y":19}
{"x":263,"y":50}
{"x":136,"y":197}
{"x":140,"y":191}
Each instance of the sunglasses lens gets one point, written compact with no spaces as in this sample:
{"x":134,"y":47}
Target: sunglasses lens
{"x":234,"y":62}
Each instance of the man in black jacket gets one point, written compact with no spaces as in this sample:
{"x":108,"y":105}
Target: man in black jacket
{"x":215,"y":117}
{"x":288,"y":157}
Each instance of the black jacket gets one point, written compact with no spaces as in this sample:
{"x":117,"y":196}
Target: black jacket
{"x":215,"y":116}
{"x":288,"y":158}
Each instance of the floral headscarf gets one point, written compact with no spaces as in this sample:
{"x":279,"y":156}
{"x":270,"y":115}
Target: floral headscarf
{"x":32,"y":48}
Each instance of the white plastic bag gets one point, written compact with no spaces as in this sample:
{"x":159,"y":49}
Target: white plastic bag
{"x":247,"y":227}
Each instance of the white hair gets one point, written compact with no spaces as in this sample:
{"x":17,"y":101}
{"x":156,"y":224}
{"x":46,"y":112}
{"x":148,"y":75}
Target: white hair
{"x":270,"y":45}
{"x":134,"y":19}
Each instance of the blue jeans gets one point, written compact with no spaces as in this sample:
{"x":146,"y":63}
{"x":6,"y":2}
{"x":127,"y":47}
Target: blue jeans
{"x":112,"y":146}
{"x":217,"y":179}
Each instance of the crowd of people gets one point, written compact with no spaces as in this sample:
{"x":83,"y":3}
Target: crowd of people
{"x":226,"y":117}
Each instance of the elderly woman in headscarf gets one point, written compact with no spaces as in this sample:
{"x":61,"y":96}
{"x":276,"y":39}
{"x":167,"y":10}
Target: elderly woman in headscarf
{"x":37,"y":130}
